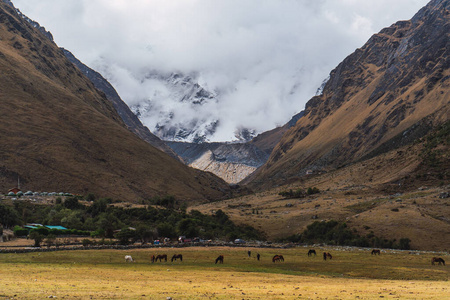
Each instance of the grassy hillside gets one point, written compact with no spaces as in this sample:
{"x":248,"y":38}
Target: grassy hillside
{"x":58,"y":133}
{"x":391,"y":196}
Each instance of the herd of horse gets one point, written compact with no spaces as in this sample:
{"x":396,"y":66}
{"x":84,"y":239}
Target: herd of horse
{"x":276,"y":258}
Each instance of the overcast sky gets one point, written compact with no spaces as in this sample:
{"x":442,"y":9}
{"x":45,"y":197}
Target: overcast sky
{"x":265,"y":57}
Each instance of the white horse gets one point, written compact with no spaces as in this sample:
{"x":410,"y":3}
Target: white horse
{"x":128,"y":258}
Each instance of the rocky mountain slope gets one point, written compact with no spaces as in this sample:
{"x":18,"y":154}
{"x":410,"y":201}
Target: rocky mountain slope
{"x":59,"y":133}
{"x":232,"y":162}
{"x":391,"y":91}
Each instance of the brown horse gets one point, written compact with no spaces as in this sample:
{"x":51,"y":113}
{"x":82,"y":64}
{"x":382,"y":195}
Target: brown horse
{"x":219,"y":259}
{"x":327,"y":255}
{"x":177,"y":256}
{"x":161,"y":257}
{"x":311,"y":252}
{"x":438,"y":260}
{"x":277,"y":258}
{"x":376,"y":251}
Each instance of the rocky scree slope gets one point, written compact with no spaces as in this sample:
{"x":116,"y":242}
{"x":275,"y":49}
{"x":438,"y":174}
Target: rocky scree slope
{"x":232,"y":162}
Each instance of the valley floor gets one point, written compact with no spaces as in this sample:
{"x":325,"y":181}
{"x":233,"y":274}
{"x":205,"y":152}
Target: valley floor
{"x":103,"y":274}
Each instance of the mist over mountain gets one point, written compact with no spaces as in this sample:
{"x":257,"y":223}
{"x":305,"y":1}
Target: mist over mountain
{"x":215,"y":71}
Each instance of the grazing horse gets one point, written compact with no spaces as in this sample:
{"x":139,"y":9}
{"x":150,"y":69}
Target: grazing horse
{"x":278,"y":258}
{"x":177,"y":256}
{"x":438,"y":260}
{"x":311,"y":252}
{"x":219,"y":259}
{"x":376,"y":251}
{"x":327,"y":255}
{"x":128,"y":258}
{"x":161,"y":257}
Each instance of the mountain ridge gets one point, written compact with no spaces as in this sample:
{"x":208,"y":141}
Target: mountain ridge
{"x":62,"y":134}
{"x":399,"y":77}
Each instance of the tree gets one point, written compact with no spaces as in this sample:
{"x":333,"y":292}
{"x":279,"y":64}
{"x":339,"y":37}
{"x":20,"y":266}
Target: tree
{"x":221,"y":217}
{"x":126,"y":236}
{"x":188,"y":227}
{"x":9,"y":216}
{"x":72,"y":220}
{"x":404,"y":244}
{"x":37,"y":237}
{"x":90,"y":197}
{"x":145,"y":233}
{"x":71,"y":203}
{"x":166,"y":229}
{"x":99,"y":206}
{"x":107,"y":223}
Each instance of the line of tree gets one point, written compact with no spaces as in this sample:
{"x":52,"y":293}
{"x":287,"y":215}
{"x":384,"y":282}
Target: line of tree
{"x":102,"y":219}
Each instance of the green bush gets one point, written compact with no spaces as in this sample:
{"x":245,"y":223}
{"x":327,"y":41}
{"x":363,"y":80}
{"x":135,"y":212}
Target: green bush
{"x":337,"y":233}
{"x":41,"y":230}
{"x":86,"y":242}
{"x":299,"y":193}
{"x":312,"y":190}
{"x":19,"y":231}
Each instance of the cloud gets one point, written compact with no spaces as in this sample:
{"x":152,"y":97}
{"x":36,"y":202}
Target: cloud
{"x":265,"y":58}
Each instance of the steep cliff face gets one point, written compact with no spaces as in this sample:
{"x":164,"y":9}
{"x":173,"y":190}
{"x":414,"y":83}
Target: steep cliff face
{"x":397,"y":81}
{"x":59,"y":133}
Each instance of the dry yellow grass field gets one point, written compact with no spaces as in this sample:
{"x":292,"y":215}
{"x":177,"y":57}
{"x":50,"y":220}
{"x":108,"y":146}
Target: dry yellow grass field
{"x":104,"y":274}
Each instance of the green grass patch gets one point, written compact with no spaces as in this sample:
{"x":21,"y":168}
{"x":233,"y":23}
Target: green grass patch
{"x":366,"y":205}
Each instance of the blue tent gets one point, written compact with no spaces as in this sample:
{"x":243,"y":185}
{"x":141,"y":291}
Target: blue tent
{"x":56,"y":227}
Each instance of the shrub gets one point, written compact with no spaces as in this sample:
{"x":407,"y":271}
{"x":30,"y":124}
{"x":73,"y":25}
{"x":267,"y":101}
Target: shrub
{"x":86,"y":242}
{"x":50,"y":240}
{"x":299,"y":193}
{"x":126,"y":236}
{"x":41,"y":230}
{"x":336,"y":233}
{"x":312,"y":190}
{"x":19,"y":231}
